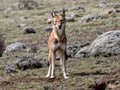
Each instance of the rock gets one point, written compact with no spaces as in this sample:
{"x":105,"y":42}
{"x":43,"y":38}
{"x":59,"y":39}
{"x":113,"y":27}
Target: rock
{"x":10,"y":69}
{"x":45,"y":62}
{"x":49,"y":20}
{"x":15,"y":47}
{"x":29,"y":4}
{"x":87,"y":18}
{"x":101,"y":5}
{"x":73,"y":51}
{"x":15,"y":5}
{"x":70,"y":19}
{"x":106,"y":44}
{"x":106,"y":14}
{"x":80,"y":8}
{"x":83,"y":52}
{"x":114,"y":5}
{"x":2,"y":45}
{"x":28,"y":30}
{"x":7,"y":11}
{"x":22,"y":25}
{"x":111,"y":5}
{"x":74,"y":15}
{"x":27,"y":62}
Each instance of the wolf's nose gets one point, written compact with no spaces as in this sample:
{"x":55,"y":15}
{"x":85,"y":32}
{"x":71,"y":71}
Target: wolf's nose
{"x":60,"y":27}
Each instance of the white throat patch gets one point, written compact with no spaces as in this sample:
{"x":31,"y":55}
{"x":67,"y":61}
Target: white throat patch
{"x":60,"y":31}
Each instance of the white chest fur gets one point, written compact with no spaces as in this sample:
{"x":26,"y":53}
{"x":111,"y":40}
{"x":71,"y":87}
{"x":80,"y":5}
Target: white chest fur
{"x":59,"y":45}
{"x":59,"y":31}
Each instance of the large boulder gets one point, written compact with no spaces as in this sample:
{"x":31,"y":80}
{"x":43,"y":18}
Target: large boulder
{"x":106,"y":44}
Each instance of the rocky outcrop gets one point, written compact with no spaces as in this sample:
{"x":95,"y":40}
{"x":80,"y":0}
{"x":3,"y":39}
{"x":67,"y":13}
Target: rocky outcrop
{"x":106,"y":44}
{"x":102,"y":15}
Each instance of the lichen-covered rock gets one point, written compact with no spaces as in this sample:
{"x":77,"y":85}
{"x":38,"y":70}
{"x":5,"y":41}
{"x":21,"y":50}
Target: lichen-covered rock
{"x":15,"y":47}
{"x":73,"y":51}
{"x":27,"y":62}
{"x":106,"y":44}
{"x":2,"y":45}
{"x":70,"y":19}
{"x":10,"y":69}
{"x":87,"y":18}
{"x":28,"y":30}
{"x":80,"y":8}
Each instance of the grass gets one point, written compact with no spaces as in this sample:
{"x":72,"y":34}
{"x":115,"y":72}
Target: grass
{"x":83,"y":71}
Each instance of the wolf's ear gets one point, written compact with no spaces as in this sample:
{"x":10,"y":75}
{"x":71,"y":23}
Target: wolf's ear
{"x":53,"y":14}
{"x":63,"y":12}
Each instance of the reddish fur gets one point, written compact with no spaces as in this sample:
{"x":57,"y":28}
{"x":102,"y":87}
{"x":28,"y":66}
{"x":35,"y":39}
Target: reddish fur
{"x":58,"y":20}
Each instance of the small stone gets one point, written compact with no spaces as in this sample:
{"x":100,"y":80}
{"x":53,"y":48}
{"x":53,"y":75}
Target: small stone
{"x":28,"y":30}
{"x":10,"y":69}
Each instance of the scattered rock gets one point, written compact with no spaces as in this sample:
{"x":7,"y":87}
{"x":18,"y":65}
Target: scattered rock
{"x":111,"y":5}
{"x":114,"y":5}
{"x":101,"y":5}
{"x":80,"y":8}
{"x":10,"y":69}
{"x":87,"y":18}
{"x":27,"y":62}
{"x":83,"y":52}
{"x":2,"y":45}
{"x":28,"y":30}
{"x":15,"y":5}
{"x":15,"y":47}
{"x":29,"y":4}
{"x":106,"y":14}
{"x":22,"y":25}
{"x":73,"y":51}
{"x":70,"y":19}
{"x":74,"y":15}
{"x":106,"y":44}
{"x":7,"y":11}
